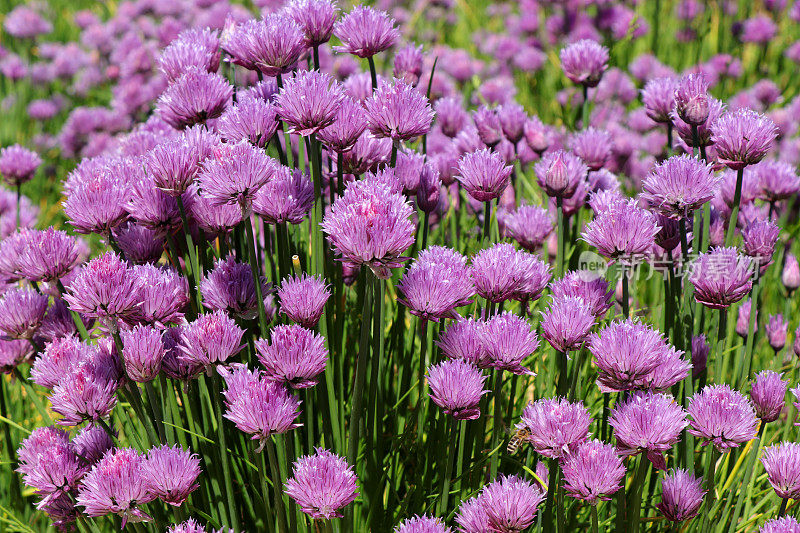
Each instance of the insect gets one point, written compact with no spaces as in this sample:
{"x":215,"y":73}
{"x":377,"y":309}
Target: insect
{"x":518,"y":439}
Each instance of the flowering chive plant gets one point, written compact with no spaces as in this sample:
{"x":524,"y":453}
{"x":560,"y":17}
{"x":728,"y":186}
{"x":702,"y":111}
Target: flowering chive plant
{"x":420,"y":267}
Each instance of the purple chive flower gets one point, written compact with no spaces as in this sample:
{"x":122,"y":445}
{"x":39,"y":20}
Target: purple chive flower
{"x":349,"y":123}
{"x":529,"y":225}
{"x":502,"y":273}
{"x":743,"y":318}
{"x":722,"y":417}
{"x":658,"y":97}
{"x":250,"y":119}
{"x":322,"y":484}
{"x":87,"y":392}
{"x":586,"y":285}
{"x":365,"y":32}
{"x":116,"y":485}
{"x":508,"y":340}
{"x":174,"y":364}
{"x":170,"y":474}
{"x":295,"y":356}
{"x":91,"y":444}
{"x":584,"y":62}
{"x":487,"y":126}
{"x":512,"y":118}
{"x":235,"y":173}
{"x":257,"y":405}
{"x":782,"y":463}
{"x":271,"y":45}
{"x":559,"y":173}
{"x":511,"y":503}
{"x":593,"y":472}
{"x":679,"y":185}
{"x":692,"y":99}
{"x":408,"y":64}
{"x":592,"y":146}
{"x":142,"y":352}
{"x":429,"y":188}
{"x":308,"y":102}
{"x":194,"y":47}
{"x":315,"y":18}
{"x":56,"y":360}
{"x":626,"y":353}
{"x":684,"y":130}
{"x":303,"y":298}
{"x":681,"y":495}
{"x":648,"y":423}
{"x":463,"y":339}
{"x":472,"y":517}
{"x":758,"y":241}
{"x":437,"y":282}
{"x":566,"y":323}
{"x":786,"y":524}
{"x":721,"y":277}
{"x":700,"y":350}
{"x":760,"y":29}
{"x":211,"y":339}
{"x":105,"y":288}
{"x":483,"y":174}
{"x":370,"y":225}
{"x":777,"y":328}
{"x":25,"y":22}
{"x":48,"y":464}
{"x":164,"y":295}
{"x":742,"y":137}
{"x":95,"y":197}
{"x":398,"y":111}
{"x":778,"y":180}
{"x":173,"y":165}
{"x":194,"y":98}
{"x":18,"y":164}
{"x":288,"y":197}
{"x":451,"y":115}
{"x":189,"y":526}
{"x":557,"y":427}
{"x":230,"y":287}
{"x":538,"y":136}
{"x":47,"y":255}
{"x":457,"y":386}
{"x":21,"y":312}
{"x":13,"y":353}
{"x":790,"y":276}
{"x":624,"y":229}
{"x":422,"y":524}
{"x":768,"y":394}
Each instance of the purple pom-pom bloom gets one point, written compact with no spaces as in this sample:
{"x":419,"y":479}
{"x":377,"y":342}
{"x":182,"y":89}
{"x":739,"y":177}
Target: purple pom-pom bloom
{"x":768,"y":394}
{"x":370,"y":225}
{"x":171,"y":474}
{"x":721,"y":277}
{"x":87,"y":392}
{"x":787,"y":524}
{"x":322,"y":484}
{"x":624,"y":229}
{"x":593,"y":472}
{"x":502,"y":272}
{"x":47,"y":255}
{"x":782,"y":463}
{"x":483,"y":174}
{"x":194,"y":98}
{"x":316,"y":19}
{"x":529,"y":225}
{"x":743,"y":318}
{"x":508,"y":340}
{"x":650,"y":423}
{"x":758,"y":241}
{"x":567,"y":323}
{"x":164,"y":294}
{"x":303,"y":298}
{"x":295,"y":356}
{"x":584,"y":62}
{"x":790,"y":276}
{"x":211,"y":339}
{"x":742,"y":137}
{"x":777,"y":328}
{"x":364,"y":32}
{"x":271,"y":45}
{"x":251,"y":119}
{"x":91,"y":443}
{"x":556,"y":426}
{"x":464,"y":340}
{"x":722,"y":417}
{"x":230,"y":287}
{"x":679,"y":185}
{"x":21,"y":312}
{"x":436,"y":283}
{"x":398,"y":111}
{"x":116,"y":485}
{"x":18,"y":164}
{"x":308,"y":102}
{"x":142,"y":351}
{"x":408,"y":64}
{"x":658,"y":97}
{"x":49,"y":464}
{"x":593,"y":146}
{"x":472,"y":517}
{"x":457,"y":386}
{"x":288,"y":197}
{"x":349,"y":124}
{"x":559,"y":173}
{"x":258,"y":405}
{"x":234,"y":174}
{"x":586,"y":285}
{"x":195,"y":47}
{"x":692,"y":99}
{"x":105,"y":288}
{"x":681,"y":495}
{"x":422,"y":524}
{"x":511,"y":503}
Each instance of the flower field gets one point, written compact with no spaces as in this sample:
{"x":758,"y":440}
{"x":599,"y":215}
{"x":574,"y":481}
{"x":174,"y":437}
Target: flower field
{"x":415,"y":266}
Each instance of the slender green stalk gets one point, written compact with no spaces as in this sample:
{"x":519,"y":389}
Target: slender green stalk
{"x":560,"y":223}
{"x":710,"y":478}
{"x":19,"y":198}
{"x":585,"y":108}
{"x":16,"y":495}
{"x":223,"y":452}
{"x":360,"y":373}
{"x":737,"y":197}
{"x":593,"y":512}
{"x":669,"y":139}
{"x":256,"y":270}
{"x":635,"y":504}
{"x":373,"y":73}
{"x":497,"y":418}
{"x":452,"y":438}
{"x":626,"y":312}
{"x":195,"y":265}
{"x":425,"y":226}
{"x":782,"y":508}
{"x":393,"y":157}
{"x":157,"y":410}
{"x":720,"y":351}
{"x":747,"y":355}
{"x":561,"y":361}
{"x":487,"y":221}
{"x":277,"y":486}
{"x":552,"y":483}
{"x":76,"y":318}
